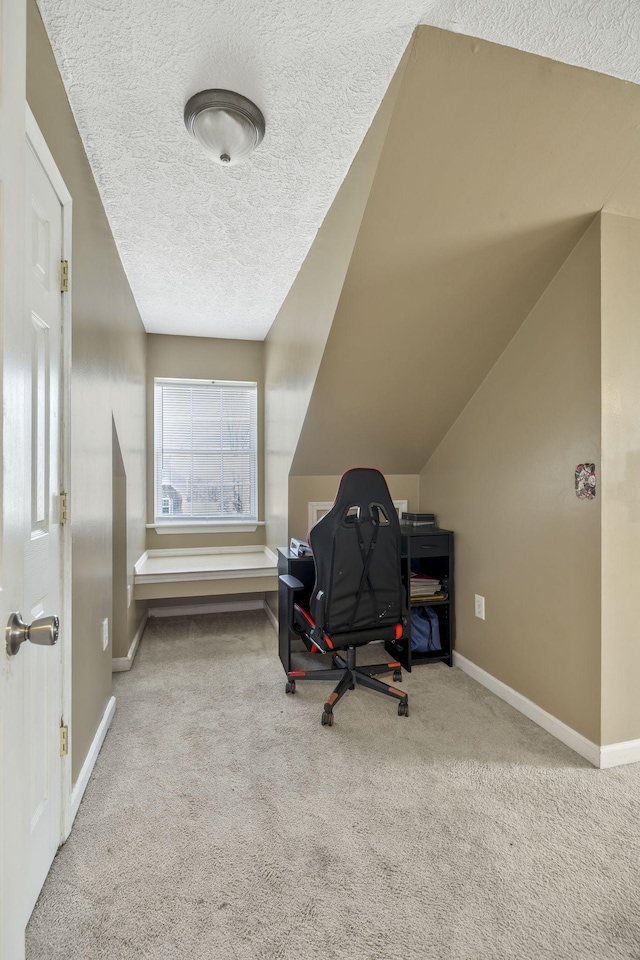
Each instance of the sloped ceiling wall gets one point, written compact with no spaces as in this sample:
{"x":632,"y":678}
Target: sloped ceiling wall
{"x":295,"y":343}
{"x":495,"y":163}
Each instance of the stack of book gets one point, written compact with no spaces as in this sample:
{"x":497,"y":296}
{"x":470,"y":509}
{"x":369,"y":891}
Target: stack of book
{"x":419,"y":520}
{"x":424,"y":587}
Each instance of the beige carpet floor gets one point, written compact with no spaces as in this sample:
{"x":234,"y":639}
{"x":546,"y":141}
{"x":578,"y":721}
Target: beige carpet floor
{"x":223,"y":822}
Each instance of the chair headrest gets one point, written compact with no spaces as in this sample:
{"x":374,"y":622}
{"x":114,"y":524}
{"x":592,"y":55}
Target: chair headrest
{"x":360,"y":488}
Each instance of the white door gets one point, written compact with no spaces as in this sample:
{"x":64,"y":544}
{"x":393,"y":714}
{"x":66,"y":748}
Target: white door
{"x":15,"y":452}
{"x":30,"y":330}
{"x":42,"y":563}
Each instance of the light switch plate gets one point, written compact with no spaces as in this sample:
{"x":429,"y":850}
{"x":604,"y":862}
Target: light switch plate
{"x":105,"y":633}
{"x":479,"y":607}
{"x":129,"y":593}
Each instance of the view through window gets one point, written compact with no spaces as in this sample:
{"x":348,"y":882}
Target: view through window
{"x":205,"y":450}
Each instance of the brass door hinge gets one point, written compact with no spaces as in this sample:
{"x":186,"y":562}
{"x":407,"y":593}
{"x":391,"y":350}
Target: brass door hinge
{"x":64,"y":276}
{"x":64,"y":740}
{"x":64,"y":507}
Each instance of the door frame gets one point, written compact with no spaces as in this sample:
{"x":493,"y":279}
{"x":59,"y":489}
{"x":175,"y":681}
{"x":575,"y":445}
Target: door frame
{"x":36,"y":141}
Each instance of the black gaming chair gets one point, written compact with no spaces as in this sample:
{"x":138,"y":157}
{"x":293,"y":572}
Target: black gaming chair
{"x":358,"y":594}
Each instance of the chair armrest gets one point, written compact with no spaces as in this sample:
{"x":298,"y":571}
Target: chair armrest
{"x":291,"y":583}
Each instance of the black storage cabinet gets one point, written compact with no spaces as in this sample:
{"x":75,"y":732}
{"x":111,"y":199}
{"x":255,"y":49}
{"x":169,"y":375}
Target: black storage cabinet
{"x":429,"y":552}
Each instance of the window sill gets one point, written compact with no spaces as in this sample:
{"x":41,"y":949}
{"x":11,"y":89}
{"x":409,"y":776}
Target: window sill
{"x":207,"y":526}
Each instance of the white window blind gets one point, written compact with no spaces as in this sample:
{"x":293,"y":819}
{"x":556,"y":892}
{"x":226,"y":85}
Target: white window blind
{"x":205,"y":450}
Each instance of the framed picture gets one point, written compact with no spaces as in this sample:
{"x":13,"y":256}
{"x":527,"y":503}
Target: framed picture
{"x":586,"y":481}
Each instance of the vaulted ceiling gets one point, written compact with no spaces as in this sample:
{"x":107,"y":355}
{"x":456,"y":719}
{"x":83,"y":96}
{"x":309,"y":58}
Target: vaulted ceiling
{"x":494,"y":164}
{"x":213,"y":251}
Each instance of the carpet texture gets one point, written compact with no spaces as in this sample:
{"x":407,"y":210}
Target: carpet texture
{"x":223,"y":822}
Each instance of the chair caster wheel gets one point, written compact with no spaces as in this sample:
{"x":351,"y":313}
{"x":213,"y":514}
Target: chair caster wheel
{"x":397,"y":675}
{"x":290,"y":686}
{"x":403,"y":708}
{"x":327,"y":719}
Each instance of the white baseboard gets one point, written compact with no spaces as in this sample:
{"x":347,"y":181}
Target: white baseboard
{"x":567,"y":735}
{"x":87,"y":767}
{"x":192,"y":609}
{"x":271,"y":617}
{"x":119,"y":664}
{"x":615,"y":754}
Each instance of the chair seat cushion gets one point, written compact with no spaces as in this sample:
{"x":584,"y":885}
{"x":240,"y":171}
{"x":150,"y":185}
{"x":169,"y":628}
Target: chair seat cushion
{"x":305,"y":623}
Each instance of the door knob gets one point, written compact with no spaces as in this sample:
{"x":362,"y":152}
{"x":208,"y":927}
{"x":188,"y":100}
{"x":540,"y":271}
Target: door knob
{"x":44,"y":632}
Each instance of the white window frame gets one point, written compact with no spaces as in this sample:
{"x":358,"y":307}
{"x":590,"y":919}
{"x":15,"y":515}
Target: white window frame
{"x":164,"y":523}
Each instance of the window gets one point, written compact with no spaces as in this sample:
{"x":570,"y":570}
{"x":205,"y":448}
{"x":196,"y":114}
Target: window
{"x":205,"y":450}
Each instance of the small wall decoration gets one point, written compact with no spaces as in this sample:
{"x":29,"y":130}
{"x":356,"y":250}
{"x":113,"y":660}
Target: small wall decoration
{"x":586,"y":481}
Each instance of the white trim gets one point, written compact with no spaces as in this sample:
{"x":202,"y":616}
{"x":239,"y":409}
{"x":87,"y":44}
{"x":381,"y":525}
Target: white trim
{"x":41,"y":150}
{"x":567,"y":735}
{"x":270,"y":555}
{"x":92,"y":756}
{"x":120,"y":664}
{"x":13,"y":503}
{"x":44,"y":155}
{"x":318,"y":508}
{"x":193,"y":609}
{"x":615,"y":754}
{"x":191,"y":576}
{"x":271,"y":617}
{"x":206,"y":526}
{"x":605,"y":757}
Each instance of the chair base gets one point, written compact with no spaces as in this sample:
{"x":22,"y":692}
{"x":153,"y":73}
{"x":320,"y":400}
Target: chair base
{"x":348,"y":675}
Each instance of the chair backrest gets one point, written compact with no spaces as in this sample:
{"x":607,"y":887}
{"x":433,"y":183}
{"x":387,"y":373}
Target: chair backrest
{"x":356,"y":549}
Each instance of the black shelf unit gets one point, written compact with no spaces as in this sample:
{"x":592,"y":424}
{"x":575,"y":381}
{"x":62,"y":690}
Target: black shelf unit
{"x":429,"y":551}
{"x":304,"y":570}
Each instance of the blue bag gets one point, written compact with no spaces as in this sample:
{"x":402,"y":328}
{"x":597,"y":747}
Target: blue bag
{"x":425,"y":630}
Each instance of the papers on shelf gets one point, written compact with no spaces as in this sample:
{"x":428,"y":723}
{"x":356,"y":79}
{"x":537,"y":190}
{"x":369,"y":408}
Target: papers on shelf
{"x":428,"y":598}
{"x":422,"y":585}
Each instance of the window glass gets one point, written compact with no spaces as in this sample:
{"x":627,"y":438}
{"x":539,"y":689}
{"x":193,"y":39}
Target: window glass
{"x":205,"y":450}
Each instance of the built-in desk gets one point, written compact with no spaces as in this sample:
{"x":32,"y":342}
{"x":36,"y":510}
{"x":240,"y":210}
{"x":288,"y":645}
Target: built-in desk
{"x":423,"y":551}
{"x":204,"y":572}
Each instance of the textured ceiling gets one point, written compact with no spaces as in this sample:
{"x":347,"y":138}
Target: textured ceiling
{"x":213,"y":251}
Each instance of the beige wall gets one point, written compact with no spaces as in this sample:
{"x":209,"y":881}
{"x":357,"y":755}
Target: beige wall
{"x":306,"y":490}
{"x":620,"y":478}
{"x":296,"y":341}
{"x":108,"y":378}
{"x":203,"y":358}
{"x":503,"y":480}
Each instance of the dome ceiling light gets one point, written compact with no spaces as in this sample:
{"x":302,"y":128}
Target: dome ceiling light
{"x":227,"y":126}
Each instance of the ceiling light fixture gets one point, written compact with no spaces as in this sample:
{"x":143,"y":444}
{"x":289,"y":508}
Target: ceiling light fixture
{"x":227,"y":126}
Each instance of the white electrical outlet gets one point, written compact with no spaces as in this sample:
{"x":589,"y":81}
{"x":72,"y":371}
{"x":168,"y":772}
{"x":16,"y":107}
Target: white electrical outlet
{"x":129,"y":593}
{"x":105,"y":633}
{"x":479,"y":607}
